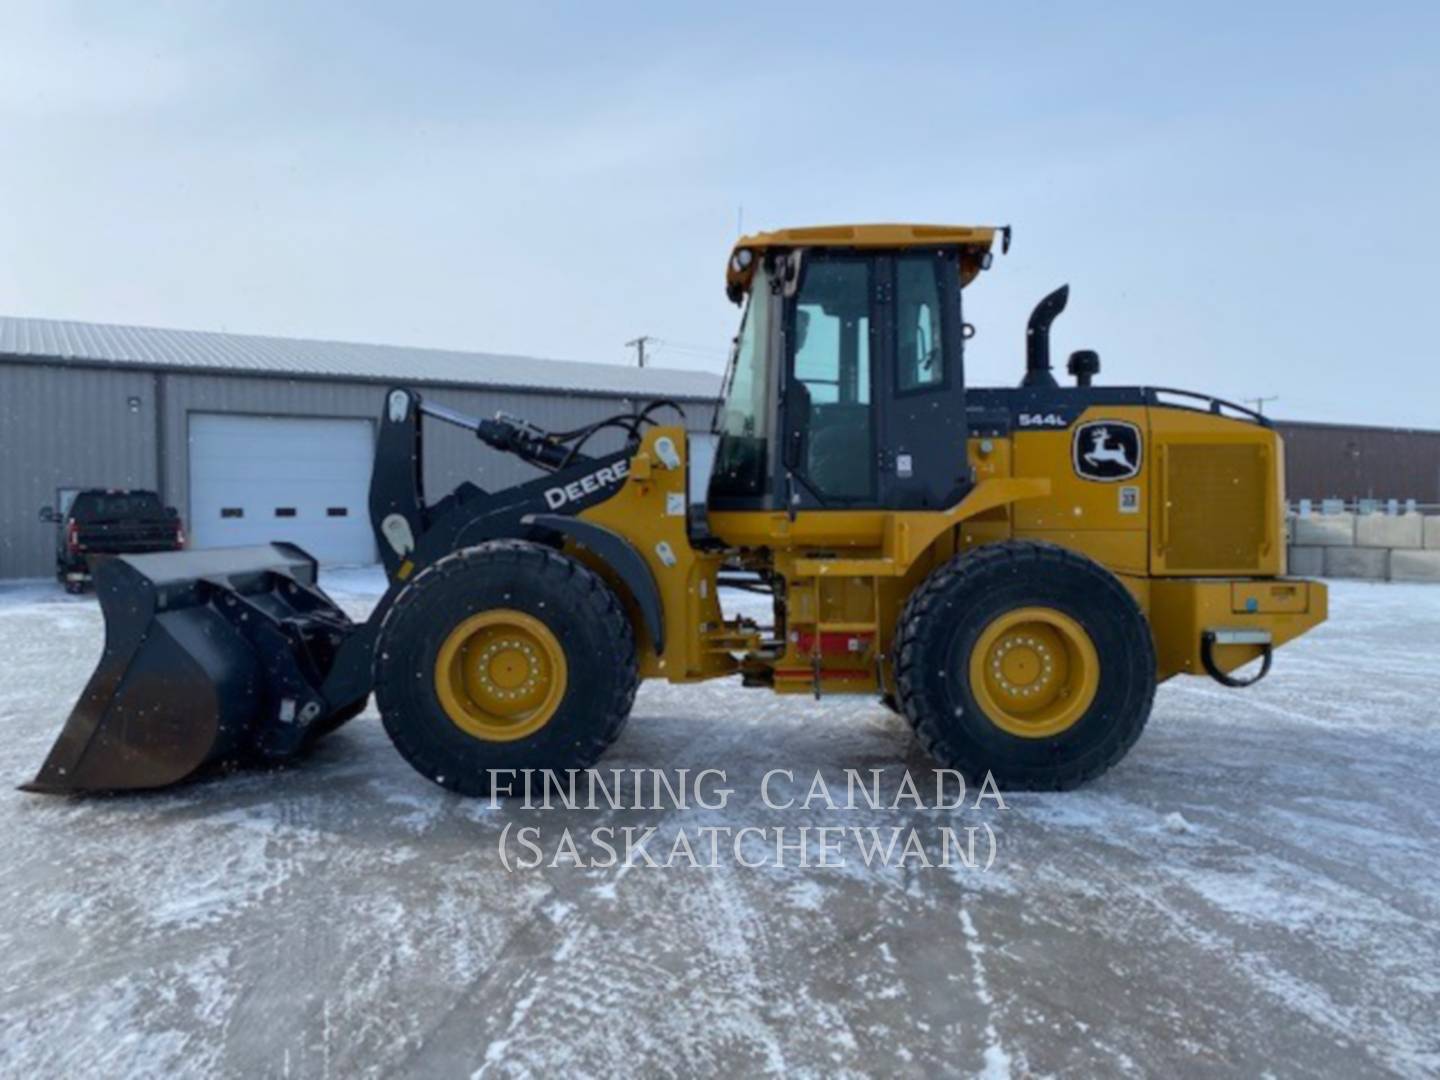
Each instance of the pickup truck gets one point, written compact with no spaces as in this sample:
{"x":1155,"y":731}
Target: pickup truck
{"x":108,"y":522}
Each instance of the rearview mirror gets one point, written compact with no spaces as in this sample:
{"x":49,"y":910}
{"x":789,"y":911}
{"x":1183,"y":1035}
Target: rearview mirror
{"x":802,"y":328}
{"x":48,"y":515}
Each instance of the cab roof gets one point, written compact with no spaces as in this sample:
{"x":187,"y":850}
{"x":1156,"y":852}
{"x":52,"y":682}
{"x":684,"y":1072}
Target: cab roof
{"x":974,"y":242}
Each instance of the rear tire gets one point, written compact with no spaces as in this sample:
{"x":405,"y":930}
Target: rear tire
{"x":509,"y":655}
{"x":1025,"y":661}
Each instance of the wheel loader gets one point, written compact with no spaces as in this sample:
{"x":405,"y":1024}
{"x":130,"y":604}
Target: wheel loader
{"x":1012,"y":570}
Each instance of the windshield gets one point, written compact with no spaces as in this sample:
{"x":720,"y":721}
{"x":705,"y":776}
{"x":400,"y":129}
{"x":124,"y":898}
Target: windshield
{"x":744,"y":418}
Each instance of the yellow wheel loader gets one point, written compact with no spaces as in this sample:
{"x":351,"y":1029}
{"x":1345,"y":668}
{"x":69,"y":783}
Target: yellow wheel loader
{"x":1012,"y":570}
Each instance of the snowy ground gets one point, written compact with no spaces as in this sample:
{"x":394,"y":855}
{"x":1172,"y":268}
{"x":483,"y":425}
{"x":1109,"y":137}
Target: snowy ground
{"x":1256,"y":888}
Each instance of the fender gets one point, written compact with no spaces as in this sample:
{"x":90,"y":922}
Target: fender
{"x":620,"y":555}
{"x":910,"y":534}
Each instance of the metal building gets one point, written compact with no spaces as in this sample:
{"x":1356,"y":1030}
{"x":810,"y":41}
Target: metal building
{"x":1351,"y":463}
{"x":257,"y":438}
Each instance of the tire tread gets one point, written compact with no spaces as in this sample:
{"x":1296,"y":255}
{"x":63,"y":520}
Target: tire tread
{"x":532,"y":561}
{"x":1020,"y":557}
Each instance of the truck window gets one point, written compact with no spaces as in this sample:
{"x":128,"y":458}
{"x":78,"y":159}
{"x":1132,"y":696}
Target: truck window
{"x":119,"y":506}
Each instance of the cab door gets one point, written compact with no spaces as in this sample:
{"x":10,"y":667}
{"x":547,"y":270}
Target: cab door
{"x":923,"y":464}
{"x":874,"y":405}
{"x":831,"y":442}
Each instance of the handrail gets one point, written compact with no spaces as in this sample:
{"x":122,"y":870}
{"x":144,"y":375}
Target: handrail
{"x":1215,"y":405}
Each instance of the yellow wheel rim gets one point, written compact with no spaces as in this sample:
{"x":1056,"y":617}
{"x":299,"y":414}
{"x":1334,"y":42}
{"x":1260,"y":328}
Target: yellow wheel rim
{"x":500,"y":675}
{"x":1034,"y":672}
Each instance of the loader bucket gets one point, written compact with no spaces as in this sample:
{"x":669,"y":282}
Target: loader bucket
{"x":210,"y":657}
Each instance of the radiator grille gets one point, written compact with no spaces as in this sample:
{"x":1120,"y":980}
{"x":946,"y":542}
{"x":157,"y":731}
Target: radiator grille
{"x":1215,"y":495}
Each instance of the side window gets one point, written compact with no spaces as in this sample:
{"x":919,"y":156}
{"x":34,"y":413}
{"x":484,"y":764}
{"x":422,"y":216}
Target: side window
{"x":919,"y":352}
{"x":831,"y":360}
{"x":743,"y":419}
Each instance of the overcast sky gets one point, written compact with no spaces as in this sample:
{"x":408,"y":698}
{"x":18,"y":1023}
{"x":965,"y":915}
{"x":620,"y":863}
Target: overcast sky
{"x":1242,"y":196}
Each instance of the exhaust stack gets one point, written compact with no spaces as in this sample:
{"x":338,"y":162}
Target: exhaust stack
{"x":1037,"y":339}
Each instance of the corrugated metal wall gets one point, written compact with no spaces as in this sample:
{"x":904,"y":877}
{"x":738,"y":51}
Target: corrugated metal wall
{"x":63,"y":429}
{"x":1334,"y":461}
{"x":74,"y":426}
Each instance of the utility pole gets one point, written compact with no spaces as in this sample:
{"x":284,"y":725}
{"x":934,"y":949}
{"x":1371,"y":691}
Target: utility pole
{"x":639,"y":346}
{"x":1259,"y":401}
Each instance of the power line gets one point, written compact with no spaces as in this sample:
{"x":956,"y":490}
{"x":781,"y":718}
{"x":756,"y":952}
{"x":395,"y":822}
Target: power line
{"x":647,"y":346}
{"x":689,"y":347}
{"x":682,"y":354}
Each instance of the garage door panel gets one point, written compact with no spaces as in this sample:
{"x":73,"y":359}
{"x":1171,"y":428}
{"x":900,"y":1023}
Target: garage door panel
{"x":245,"y":468}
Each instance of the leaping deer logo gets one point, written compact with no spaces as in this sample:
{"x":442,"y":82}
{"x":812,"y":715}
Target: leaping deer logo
{"x":1102,"y":451}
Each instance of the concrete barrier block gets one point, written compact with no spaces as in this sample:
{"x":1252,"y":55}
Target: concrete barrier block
{"x":1325,"y":530}
{"x":1415,"y":566}
{"x":1371,"y":564}
{"x":1432,"y":531}
{"x":1306,"y":561}
{"x":1390,"y":531}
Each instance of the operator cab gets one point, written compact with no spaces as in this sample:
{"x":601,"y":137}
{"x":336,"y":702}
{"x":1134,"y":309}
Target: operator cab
{"x":846,"y":387}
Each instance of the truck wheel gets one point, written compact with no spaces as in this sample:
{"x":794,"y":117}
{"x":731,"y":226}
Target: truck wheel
{"x":509,"y":655}
{"x":1026,"y":661}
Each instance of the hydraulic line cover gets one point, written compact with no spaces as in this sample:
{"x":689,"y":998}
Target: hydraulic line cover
{"x":210,"y":657}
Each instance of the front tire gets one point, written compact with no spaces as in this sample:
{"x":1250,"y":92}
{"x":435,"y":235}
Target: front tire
{"x":1025,"y":661}
{"x":509,"y":655}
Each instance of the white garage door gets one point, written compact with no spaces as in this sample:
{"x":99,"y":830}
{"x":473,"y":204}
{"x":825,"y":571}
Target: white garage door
{"x":254,"y":479}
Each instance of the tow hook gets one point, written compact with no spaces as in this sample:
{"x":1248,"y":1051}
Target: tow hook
{"x":1210,"y":638}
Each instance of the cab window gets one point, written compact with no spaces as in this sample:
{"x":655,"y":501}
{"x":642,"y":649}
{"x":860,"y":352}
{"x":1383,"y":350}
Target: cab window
{"x":919,"y":351}
{"x":831,"y":374}
{"x":744,"y":418}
